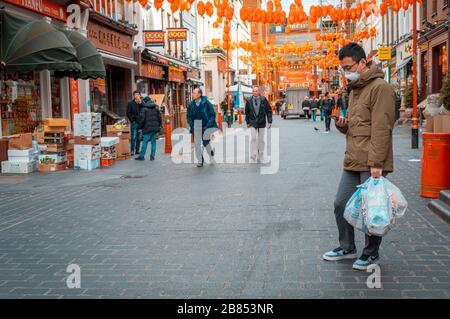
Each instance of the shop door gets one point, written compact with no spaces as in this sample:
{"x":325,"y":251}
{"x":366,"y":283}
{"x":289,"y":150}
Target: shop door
{"x":118,"y":91}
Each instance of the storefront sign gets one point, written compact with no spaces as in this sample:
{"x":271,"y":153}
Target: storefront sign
{"x":176,"y":75}
{"x":110,"y":40}
{"x":154,"y":38}
{"x":177,"y":34}
{"x":221,"y":65}
{"x":150,"y":70}
{"x":74,"y":98}
{"x":193,"y":74}
{"x":384,"y":54}
{"x":424,"y":46}
{"x":45,"y":7}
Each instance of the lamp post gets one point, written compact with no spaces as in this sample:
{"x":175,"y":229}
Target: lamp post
{"x":414,"y":120}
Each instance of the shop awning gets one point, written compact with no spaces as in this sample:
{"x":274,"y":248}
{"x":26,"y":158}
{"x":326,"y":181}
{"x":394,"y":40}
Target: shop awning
{"x":402,"y":64}
{"x":91,"y":61}
{"x":34,"y":45}
{"x":194,"y":81}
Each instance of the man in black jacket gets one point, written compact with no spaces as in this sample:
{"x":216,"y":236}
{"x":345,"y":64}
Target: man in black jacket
{"x":133,"y":113}
{"x":327,"y":105}
{"x":257,"y":109}
{"x":306,"y":106}
{"x":150,"y":123}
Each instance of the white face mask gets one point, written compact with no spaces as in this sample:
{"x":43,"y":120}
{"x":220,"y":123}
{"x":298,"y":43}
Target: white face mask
{"x":352,"y":76}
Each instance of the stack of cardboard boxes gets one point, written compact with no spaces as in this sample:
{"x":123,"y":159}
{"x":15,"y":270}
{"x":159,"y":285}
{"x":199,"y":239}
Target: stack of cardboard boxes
{"x":87,"y":132}
{"x":124,"y":135}
{"x":438,"y":124}
{"x":53,"y":155}
{"x":109,"y":154}
{"x":23,"y":155}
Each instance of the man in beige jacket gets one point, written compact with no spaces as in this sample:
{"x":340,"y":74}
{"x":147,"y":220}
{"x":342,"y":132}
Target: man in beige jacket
{"x":368,"y":129}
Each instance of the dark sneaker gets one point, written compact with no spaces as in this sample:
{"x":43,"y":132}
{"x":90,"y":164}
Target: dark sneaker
{"x":212,"y":153}
{"x":339,"y":254}
{"x":152,"y":158}
{"x":139,"y":158}
{"x":199,"y":164}
{"x":365,"y":261}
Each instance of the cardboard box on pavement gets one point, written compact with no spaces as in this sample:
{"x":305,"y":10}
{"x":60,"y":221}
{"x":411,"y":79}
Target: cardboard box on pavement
{"x":430,"y":124}
{"x":20,"y":141}
{"x":56,"y":122}
{"x":441,"y":124}
{"x":84,"y":140}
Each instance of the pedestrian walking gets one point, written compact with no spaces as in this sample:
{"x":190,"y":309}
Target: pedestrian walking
{"x":369,"y":152}
{"x":306,"y":106}
{"x":150,"y":123}
{"x":314,"y":107}
{"x":342,"y":103}
{"x":327,"y":105}
{"x":133,"y":113}
{"x":201,"y":118}
{"x":321,"y":109}
{"x":257,"y":109}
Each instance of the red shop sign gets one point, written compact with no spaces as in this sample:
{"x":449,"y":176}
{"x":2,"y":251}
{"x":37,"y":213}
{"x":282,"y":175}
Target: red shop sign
{"x":44,"y":7}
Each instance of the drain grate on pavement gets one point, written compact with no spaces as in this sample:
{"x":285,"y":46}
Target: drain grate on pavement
{"x":133,"y":176}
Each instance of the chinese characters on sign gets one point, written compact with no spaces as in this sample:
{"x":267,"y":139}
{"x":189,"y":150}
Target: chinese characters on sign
{"x":154,"y":38}
{"x":384,"y":54}
{"x":176,"y":75}
{"x":153,"y":71}
{"x":177,"y":34}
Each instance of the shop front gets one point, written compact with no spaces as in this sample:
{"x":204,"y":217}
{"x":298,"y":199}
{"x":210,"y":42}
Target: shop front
{"x":152,"y":74}
{"x":434,"y":60}
{"x":116,"y":48}
{"x":30,"y":93}
{"x":176,"y":94}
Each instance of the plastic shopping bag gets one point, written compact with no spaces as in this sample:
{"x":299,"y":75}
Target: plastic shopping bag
{"x":375,"y":206}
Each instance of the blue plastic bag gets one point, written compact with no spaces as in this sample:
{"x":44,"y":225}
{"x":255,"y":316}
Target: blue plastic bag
{"x":374,"y":206}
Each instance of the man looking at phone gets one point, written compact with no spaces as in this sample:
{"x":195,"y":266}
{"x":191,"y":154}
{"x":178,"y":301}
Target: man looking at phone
{"x":368,"y":127}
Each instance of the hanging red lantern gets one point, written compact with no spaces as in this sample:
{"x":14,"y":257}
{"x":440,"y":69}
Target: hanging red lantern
{"x":143,"y":2}
{"x":201,"y":8}
{"x":405,"y":5}
{"x":209,"y":9}
{"x":229,"y":12}
{"x":216,"y":3}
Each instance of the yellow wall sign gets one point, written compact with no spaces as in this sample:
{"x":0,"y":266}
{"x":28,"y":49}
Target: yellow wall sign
{"x":384,"y":54}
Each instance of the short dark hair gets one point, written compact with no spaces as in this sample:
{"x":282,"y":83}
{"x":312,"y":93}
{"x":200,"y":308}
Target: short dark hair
{"x":327,"y":94}
{"x":199,"y":90}
{"x":136,"y":91}
{"x":354,"y":51}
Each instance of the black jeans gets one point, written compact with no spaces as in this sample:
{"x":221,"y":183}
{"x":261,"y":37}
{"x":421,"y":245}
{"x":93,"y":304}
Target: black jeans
{"x":347,"y":187}
{"x":327,"y":121}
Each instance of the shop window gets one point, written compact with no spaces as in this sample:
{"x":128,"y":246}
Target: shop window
{"x":98,"y":94}
{"x":440,"y":61}
{"x":55,"y":86}
{"x":20,"y":103}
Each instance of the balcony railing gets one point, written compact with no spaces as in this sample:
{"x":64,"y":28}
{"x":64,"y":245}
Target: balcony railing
{"x":113,"y":9}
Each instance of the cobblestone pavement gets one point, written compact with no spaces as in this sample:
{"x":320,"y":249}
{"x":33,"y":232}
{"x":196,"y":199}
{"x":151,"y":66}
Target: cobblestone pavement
{"x":160,"y":230}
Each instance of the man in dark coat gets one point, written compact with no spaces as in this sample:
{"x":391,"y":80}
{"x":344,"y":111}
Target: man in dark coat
{"x":133,"y":113}
{"x":201,"y":118}
{"x":257,"y":109}
{"x":327,"y":105}
{"x":150,"y":123}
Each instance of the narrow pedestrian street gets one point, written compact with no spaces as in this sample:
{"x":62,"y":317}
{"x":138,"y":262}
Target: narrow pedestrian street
{"x":164,"y":230}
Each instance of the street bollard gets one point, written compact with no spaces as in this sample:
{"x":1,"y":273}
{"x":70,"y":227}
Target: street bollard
{"x":168,"y":131}
{"x":240,"y":117}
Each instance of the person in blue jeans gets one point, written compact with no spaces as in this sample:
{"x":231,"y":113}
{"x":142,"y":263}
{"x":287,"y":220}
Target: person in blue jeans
{"x":314,"y":107}
{"x":133,"y":112}
{"x":150,"y":123}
